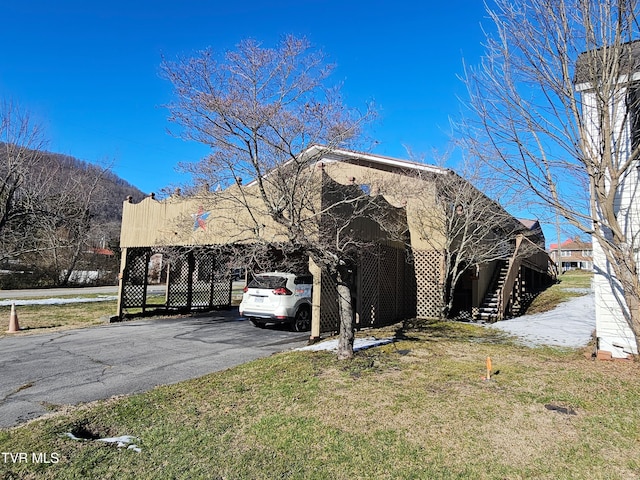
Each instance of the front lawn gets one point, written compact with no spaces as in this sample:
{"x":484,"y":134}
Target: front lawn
{"x":569,"y":285}
{"x":419,"y":408}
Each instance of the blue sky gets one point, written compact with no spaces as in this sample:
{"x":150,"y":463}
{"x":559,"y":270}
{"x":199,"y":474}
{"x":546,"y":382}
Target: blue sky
{"x":90,"y":70}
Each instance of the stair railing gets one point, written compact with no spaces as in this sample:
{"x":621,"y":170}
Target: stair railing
{"x":510,"y":279}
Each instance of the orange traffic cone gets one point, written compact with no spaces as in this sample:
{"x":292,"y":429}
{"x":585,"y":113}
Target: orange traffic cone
{"x":13,"y":320}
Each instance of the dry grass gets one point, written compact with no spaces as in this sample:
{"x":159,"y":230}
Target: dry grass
{"x":418,"y":408}
{"x":44,"y":318}
{"x":573,"y":283}
{"x":48,"y":318}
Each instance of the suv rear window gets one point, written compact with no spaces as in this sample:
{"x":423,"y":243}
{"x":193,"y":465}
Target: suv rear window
{"x":267,"y":281}
{"x":303,"y":280}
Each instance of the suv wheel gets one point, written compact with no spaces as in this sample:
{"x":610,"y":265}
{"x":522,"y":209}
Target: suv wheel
{"x":302,"y":320}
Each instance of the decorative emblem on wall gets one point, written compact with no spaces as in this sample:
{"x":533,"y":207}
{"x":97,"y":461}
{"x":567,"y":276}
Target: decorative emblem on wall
{"x":200,"y":219}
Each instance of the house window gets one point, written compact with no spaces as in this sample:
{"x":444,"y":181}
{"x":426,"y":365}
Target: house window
{"x":586,"y":253}
{"x":566,"y":253}
{"x":633,"y":106}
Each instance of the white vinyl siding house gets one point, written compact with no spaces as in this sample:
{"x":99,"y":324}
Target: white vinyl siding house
{"x":612,"y":330}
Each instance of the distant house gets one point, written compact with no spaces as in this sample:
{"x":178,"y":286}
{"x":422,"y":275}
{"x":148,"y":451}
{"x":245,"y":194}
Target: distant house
{"x":101,"y":251}
{"x":573,"y":254}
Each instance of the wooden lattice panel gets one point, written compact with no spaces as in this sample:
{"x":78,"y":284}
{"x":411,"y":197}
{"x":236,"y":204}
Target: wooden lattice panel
{"x":409,"y":297}
{"x":384,"y":294}
{"x":221,"y":284}
{"x":428,"y":271}
{"x":202,"y":278}
{"x":221,"y":293}
{"x":198,"y":280}
{"x":178,"y":282}
{"x":134,"y":280}
{"x":367,"y":303}
{"x":389,"y":273}
{"x":329,"y":313}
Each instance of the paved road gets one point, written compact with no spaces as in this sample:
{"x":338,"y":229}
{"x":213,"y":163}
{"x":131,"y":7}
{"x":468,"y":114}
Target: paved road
{"x":83,"y":365}
{"x":57,"y":292}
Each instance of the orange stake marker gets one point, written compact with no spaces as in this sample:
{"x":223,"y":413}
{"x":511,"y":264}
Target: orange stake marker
{"x":488,"y":368}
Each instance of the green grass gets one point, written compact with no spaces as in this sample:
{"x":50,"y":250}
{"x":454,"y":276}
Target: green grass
{"x":43,"y":318}
{"x":569,"y":285}
{"x":46,"y":318}
{"x":418,"y":409}
{"x":576,"y":279}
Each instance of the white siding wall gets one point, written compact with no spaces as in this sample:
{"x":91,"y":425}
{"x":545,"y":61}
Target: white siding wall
{"x":612,"y":329}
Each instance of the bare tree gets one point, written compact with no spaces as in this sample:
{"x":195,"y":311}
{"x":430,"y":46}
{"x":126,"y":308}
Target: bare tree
{"x":47,"y":202}
{"x":553,"y":104}
{"x":260,"y":110}
{"x":21,"y":146}
{"x":67,"y":220}
{"x":469,"y":228}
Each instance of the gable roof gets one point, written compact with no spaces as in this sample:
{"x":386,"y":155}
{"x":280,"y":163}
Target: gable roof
{"x":381,"y":161}
{"x":572,"y":244}
{"x":531,"y":224}
{"x":592,"y":65}
{"x":321,"y":154}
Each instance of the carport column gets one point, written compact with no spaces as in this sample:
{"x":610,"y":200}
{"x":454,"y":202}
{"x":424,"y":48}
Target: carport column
{"x":191,"y":268}
{"x":145,"y":282}
{"x":123,"y":266}
{"x":316,"y":294}
{"x":476,"y":283}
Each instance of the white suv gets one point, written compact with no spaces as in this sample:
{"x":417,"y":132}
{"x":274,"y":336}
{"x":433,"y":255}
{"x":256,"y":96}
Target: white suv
{"x":278,"y":297}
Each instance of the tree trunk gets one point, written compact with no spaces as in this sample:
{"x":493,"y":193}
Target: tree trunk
{"x":628,"y":277}
{"x":634,"y":314}
{"x":345,"y":309}
{"x":78,"y":246}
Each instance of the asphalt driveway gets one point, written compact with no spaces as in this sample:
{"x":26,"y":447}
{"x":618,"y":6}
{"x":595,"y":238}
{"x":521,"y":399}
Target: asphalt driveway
{"x":83,"y":365}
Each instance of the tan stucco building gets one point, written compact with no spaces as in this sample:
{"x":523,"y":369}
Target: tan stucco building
{"x":395,"y":279}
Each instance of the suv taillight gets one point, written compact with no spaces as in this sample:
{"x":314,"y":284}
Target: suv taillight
{"x":245,"y":289}
{"x":282,"y":291}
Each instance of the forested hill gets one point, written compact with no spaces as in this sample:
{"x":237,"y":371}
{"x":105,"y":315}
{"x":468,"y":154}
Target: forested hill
{"x":55,"y":211}
{"x":111,"y":192}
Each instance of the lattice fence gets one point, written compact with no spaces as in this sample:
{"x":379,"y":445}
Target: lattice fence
{"x":409,"y":300}
{"x":384,"y":294}
{"x":197,"y":278}
{"x":368,"y":304}
{"x":178,"y":291}
{"x":428,"y":267}
{"x":134,"y":280}
{"x":329,"y":314}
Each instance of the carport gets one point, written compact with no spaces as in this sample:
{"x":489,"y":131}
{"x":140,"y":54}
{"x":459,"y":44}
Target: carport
{"x":394,"y":279}
{"x":186,"y":242}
